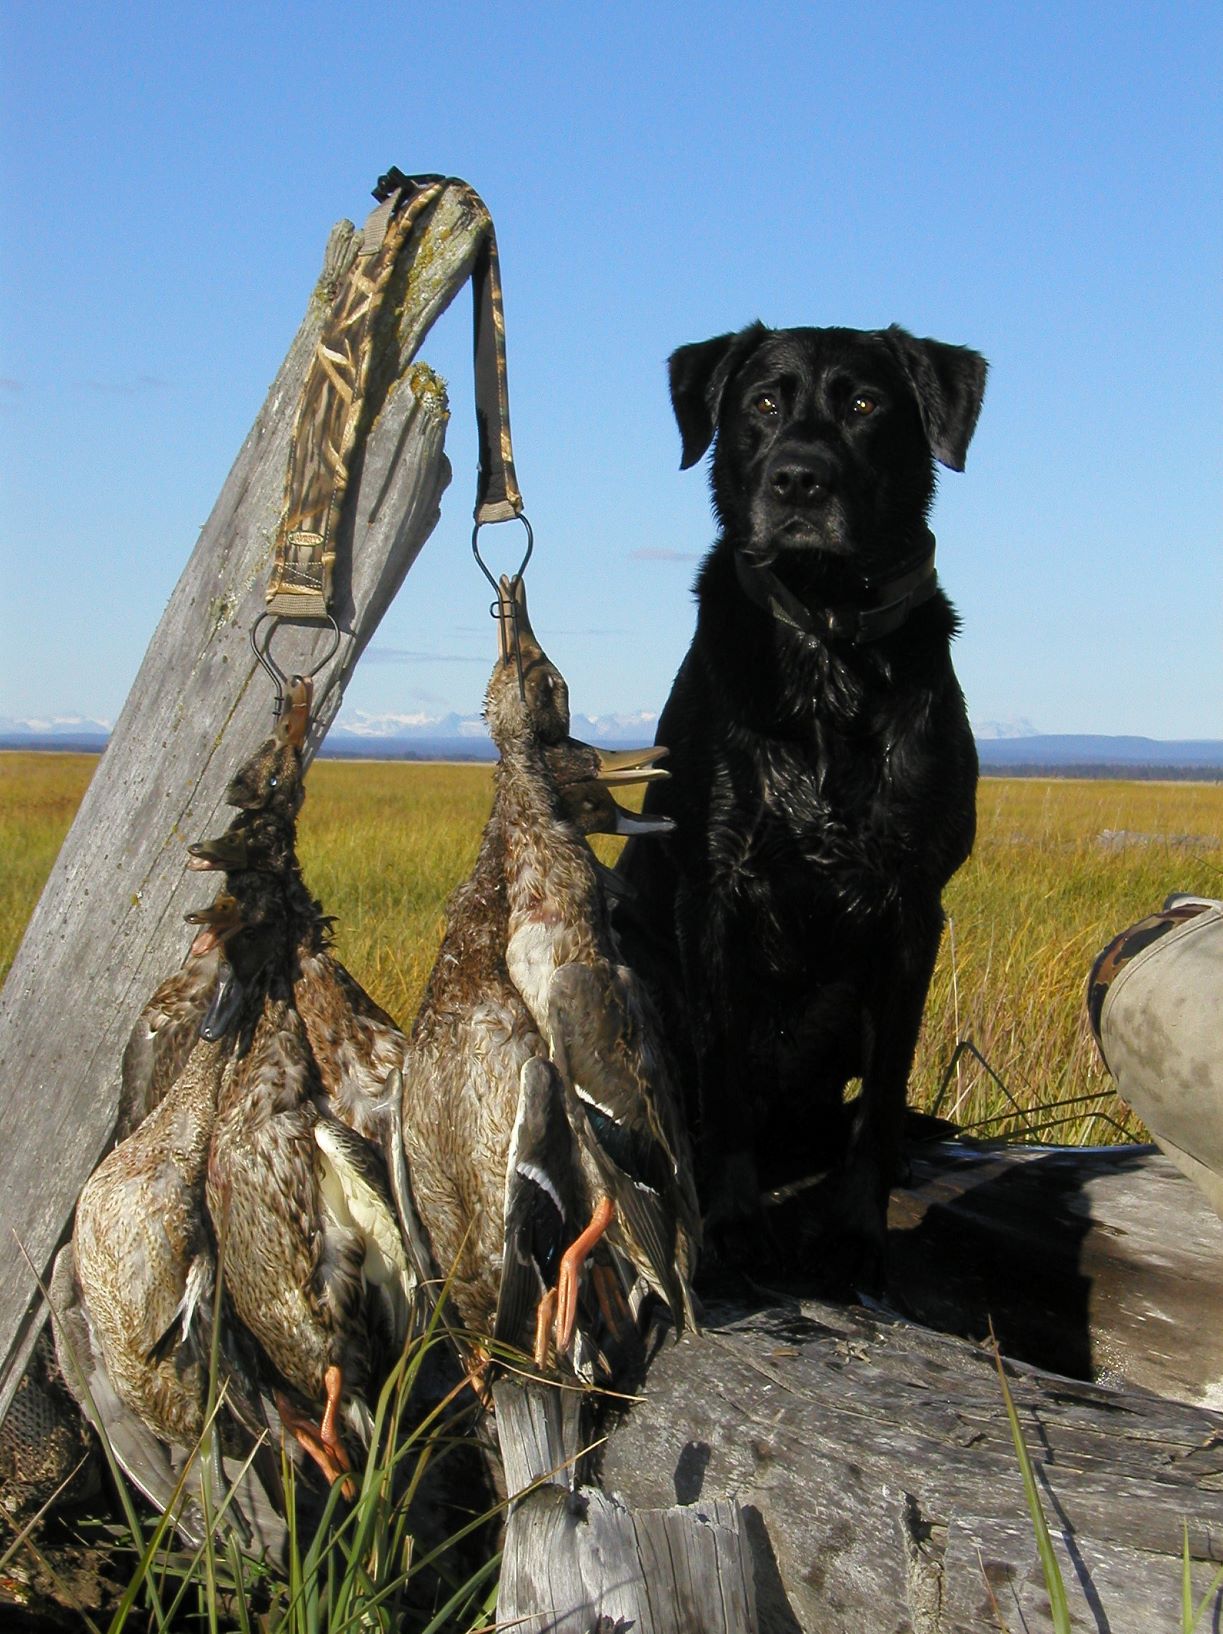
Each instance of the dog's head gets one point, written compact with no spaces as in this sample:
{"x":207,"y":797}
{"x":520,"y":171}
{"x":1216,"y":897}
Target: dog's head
{"x":826,"y":438}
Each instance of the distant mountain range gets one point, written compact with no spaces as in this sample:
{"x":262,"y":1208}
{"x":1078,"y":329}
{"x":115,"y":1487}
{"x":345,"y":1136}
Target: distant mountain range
{"x":1004,"y":747}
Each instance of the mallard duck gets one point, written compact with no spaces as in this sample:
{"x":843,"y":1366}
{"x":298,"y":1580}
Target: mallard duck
{"x":144,"y":1262}
{"x":356,"y":1045}
{"x":166,"y":1030}
{"x":562,"y":957}
{"x":494,"y":1170}
{"x":472,"y":1042}
{"x":314,"y":1260}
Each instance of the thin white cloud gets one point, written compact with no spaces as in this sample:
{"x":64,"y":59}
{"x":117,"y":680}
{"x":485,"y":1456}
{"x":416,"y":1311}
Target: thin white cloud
{"x":141,"y":386}
{"x":408,"y":655}
{"x":658,"y":553}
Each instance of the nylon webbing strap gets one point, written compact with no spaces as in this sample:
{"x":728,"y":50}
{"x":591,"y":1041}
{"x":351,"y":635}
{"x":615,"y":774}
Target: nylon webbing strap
{"x":498,"y":498}
{"x":329,"y":415}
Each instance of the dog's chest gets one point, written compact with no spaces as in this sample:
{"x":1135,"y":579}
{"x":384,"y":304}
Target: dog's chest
{"x":812,"y":823}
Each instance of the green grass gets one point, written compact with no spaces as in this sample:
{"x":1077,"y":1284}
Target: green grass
{"x":1060,"y":866}
{"x":359,"y":1570}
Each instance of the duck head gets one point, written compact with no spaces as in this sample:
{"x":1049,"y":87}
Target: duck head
{"x":527,"y":695}
{"x":271,"y":780}
{"x":586,"y":779}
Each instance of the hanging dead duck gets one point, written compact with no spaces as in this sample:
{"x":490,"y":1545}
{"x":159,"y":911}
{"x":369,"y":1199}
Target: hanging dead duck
{"x":356,"y":1045}
{"x":315,"y":1263}
{"x":562,"y":958}
{"x":495,"y":1172}
{"x":143,"y":1259}
{"x":472,"y":1048}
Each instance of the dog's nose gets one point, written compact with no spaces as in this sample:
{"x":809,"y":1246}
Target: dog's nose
{"x":802,"y":479}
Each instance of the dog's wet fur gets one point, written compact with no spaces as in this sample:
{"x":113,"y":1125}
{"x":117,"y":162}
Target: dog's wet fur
{"x":823,"y":787}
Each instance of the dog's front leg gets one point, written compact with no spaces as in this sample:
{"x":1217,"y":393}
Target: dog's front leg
{"x":894,"y":999}
{"x":719,"y":1031}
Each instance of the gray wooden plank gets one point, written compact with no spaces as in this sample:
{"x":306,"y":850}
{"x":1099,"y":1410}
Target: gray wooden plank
{"x":577,"y":1562}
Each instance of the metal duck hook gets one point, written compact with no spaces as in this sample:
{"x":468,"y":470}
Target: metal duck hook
{"x":262,"y":648}
{"x":506,"y":612}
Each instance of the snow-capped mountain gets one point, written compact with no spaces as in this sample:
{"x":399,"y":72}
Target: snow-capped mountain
{"x":358,"y":731}
{"x":1017,"y":727}
{"x":54,"y":732}
{"x":1009,"y":747}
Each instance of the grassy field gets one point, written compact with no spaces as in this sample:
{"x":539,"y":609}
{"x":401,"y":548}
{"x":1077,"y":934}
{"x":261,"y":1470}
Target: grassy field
{"x":1060,"y":866}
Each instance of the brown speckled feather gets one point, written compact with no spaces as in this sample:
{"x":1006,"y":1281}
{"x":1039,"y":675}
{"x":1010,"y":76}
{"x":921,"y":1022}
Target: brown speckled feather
{"x":163,"y":1037}
{"x":141,"y":1233}
{"x":294,"y":1281}
{"x":472,"y":1038}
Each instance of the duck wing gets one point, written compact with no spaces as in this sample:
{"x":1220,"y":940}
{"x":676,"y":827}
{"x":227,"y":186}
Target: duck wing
{"x":540,"y":1216}
{"x":356,"y":1193}
{"x":615,"y":1111}
{"x":355,"y":1043}
{"x":163,"y":1037}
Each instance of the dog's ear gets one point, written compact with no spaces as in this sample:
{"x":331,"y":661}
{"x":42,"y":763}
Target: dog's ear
{"x":949,"y":383}
{"x":698,"y":376}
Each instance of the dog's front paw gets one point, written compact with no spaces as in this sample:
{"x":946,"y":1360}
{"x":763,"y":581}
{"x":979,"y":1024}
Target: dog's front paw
{"x":736,"y":1234}
{"x":850,"y":1259}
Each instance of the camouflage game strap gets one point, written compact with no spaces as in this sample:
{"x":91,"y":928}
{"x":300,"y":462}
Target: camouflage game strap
{"x":329,"y":415}
{"x":498,"y":498}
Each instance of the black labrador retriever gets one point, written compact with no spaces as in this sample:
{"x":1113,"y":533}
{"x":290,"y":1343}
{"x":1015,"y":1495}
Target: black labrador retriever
{"x":823,"y":773}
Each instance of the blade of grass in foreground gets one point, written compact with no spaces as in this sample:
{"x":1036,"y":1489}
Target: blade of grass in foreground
{"x":1054,"y":1583}
{"x":1189,"y":1617}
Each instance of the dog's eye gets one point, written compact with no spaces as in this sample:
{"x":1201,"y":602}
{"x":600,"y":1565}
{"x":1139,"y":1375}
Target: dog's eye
{"x":764,"y":404}
{"x":863,"y":405}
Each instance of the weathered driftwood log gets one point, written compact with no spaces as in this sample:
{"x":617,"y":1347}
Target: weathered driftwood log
{"x":859,"y":1468}
{"x":1101,"y":1264}
{"x":574,"y":1559}
{"x":109,"y":924}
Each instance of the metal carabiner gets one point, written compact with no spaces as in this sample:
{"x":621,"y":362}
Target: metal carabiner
{"x":263,"y":652}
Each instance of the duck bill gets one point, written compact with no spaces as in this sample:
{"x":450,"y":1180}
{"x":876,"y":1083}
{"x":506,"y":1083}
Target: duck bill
{"x":514,"y":632}
{"x":226,"y":851}
{"x":218,"y":923}
{"x":295,"y":712}
{"x":620,"y":765}
{"x":225,"y":1007}
{"x":629,"y":823}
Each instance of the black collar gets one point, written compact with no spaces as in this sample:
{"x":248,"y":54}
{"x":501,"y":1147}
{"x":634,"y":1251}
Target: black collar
{"x":884,"y":608}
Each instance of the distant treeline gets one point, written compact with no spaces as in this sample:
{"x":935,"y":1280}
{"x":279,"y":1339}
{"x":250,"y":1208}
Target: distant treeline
{"x":461,"y":750}
{"x":1121,"y":771}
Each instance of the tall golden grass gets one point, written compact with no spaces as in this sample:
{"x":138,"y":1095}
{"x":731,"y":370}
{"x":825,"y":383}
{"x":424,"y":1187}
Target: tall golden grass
{"x":1060,"y":866}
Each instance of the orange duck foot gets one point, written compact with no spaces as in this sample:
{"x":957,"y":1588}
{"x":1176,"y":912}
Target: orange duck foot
{"x":612,"y":1303}
{"x":574,"y":1259}
{"x":320,"y":1442}
{"x":545,"y":1318}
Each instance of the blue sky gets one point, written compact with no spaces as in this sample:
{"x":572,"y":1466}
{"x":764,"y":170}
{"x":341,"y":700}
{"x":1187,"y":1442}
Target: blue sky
{"x":1040,"y":182}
